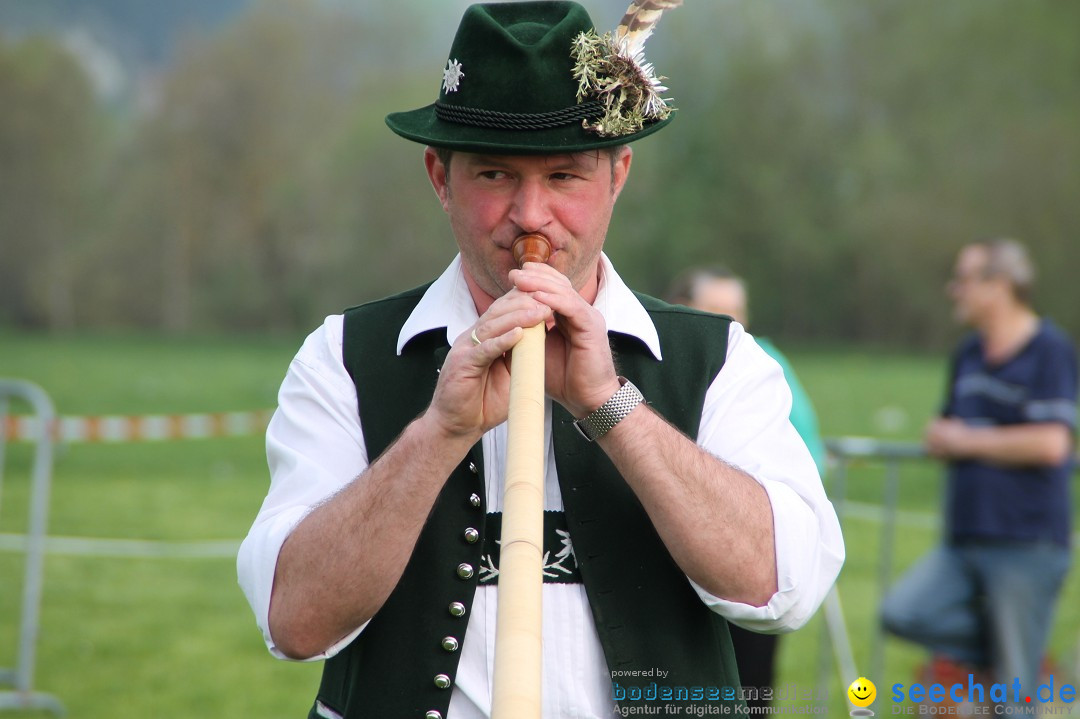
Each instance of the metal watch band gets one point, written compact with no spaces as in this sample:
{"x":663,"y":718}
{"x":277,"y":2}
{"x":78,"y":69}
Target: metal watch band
{"x":596,"y":424}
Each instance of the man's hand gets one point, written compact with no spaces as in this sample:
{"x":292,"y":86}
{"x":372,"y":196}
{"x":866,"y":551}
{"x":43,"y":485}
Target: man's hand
{"x":472,"y":394}
{"x":946,"y":438}
{"x":579,"y":370}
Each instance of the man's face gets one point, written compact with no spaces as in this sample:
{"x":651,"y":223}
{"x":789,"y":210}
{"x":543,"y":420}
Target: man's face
{"x":721,"y":296}
{"x":492,"y":199}
{"x":972,"y":291}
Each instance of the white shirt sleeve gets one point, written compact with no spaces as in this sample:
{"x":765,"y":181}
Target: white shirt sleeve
{"x":745,"y":423}
{"x":317,"y":408}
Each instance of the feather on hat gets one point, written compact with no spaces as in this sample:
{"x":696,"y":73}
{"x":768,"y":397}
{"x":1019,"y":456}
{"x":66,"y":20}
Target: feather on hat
{"x":611,"y":68}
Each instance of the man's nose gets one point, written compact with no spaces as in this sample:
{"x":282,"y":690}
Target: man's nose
{"x":530,"y":209}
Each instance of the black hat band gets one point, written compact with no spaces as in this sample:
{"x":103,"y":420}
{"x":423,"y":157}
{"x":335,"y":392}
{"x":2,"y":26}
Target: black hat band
{"x":478,"y":117}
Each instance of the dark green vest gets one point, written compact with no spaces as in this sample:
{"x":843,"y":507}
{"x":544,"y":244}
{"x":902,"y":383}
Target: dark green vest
{"x":647,"y":614}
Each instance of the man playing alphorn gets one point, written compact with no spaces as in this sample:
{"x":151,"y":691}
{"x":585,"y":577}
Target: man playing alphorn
{"x":689,"y":502}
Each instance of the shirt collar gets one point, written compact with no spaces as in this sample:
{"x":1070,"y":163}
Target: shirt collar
{"x":448,"y":304}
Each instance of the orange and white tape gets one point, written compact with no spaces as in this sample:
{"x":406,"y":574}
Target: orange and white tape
{"x":138,"y":428}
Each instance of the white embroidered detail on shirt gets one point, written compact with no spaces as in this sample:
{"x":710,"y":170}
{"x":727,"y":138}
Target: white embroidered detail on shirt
{"x":489,"y":571}
{"x":567,"y":552}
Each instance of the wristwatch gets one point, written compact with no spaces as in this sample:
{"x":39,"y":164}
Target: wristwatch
{"x":596,"y":424}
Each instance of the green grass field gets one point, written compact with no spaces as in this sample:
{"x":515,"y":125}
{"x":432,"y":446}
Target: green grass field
{"x":172,"y":637}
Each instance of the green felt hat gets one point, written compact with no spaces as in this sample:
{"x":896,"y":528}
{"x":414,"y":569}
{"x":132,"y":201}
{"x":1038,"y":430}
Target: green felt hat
{"x":508,"y":86}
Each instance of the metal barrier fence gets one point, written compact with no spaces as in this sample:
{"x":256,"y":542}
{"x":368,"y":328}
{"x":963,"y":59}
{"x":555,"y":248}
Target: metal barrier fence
{"x":44,"y":429}
{"x":844,"y":450}
{"x":21,"y":677}
{"x":892,"y":455}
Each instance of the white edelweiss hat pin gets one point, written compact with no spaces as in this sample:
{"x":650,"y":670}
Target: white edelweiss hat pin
{"x":451,"y":76}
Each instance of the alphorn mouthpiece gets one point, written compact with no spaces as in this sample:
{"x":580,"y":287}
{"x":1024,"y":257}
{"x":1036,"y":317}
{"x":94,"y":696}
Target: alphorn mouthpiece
{"x":531,"y":248}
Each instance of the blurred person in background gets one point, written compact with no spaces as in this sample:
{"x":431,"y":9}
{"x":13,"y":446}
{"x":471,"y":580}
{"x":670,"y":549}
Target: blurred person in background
{"x":376,"y":548}
{"x":984,"y":600}
{"x":718,"y":290}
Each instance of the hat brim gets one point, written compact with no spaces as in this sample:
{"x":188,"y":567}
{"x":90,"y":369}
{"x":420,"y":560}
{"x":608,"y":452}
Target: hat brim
{"x":424,"y":126}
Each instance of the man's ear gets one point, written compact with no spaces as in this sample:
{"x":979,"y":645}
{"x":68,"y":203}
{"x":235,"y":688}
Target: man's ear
{"x":439,"y":177}
{"x":620,"y":170}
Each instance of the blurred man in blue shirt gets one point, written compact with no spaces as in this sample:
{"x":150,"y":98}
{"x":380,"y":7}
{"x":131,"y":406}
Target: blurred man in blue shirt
{"x":985,"y":598}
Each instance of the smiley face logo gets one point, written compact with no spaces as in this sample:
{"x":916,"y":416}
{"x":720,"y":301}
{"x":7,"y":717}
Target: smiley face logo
{"x":862,"y":692}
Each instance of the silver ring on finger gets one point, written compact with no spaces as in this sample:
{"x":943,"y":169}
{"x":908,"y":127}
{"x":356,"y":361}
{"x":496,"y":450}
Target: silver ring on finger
{"x":472,"y":335}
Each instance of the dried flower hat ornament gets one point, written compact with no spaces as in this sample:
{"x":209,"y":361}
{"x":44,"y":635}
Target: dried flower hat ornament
{"x":611,"y":69}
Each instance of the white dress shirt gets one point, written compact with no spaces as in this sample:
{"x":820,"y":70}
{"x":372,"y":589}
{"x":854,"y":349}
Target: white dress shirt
{"x":315,"y":446}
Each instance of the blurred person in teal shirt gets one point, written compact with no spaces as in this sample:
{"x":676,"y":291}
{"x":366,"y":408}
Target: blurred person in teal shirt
{"x":718,"y":290}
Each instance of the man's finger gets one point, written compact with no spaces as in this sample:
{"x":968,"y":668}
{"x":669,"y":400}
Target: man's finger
{"x":493,"y":348}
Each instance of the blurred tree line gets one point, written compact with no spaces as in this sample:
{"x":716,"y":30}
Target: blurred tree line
{"x":834,"y":152}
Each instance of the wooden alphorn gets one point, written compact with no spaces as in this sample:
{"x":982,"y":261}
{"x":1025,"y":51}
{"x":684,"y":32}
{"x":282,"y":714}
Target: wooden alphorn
{"x":518,"y":633}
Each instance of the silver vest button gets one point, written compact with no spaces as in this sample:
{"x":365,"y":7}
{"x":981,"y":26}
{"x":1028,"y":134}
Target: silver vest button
{"x":457,"y":609}
{"x":442,"y":681}
{"x":473,"y":468}
{"x":465,"y":570}
{"x":450,"y":644}
{"x":433,"y":714}
{"x":471,"y":535}
{"x":474,"y":499}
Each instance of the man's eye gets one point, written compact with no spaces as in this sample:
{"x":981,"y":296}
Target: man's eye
{"x":493,"y":174}
{"x":563,"y":176}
